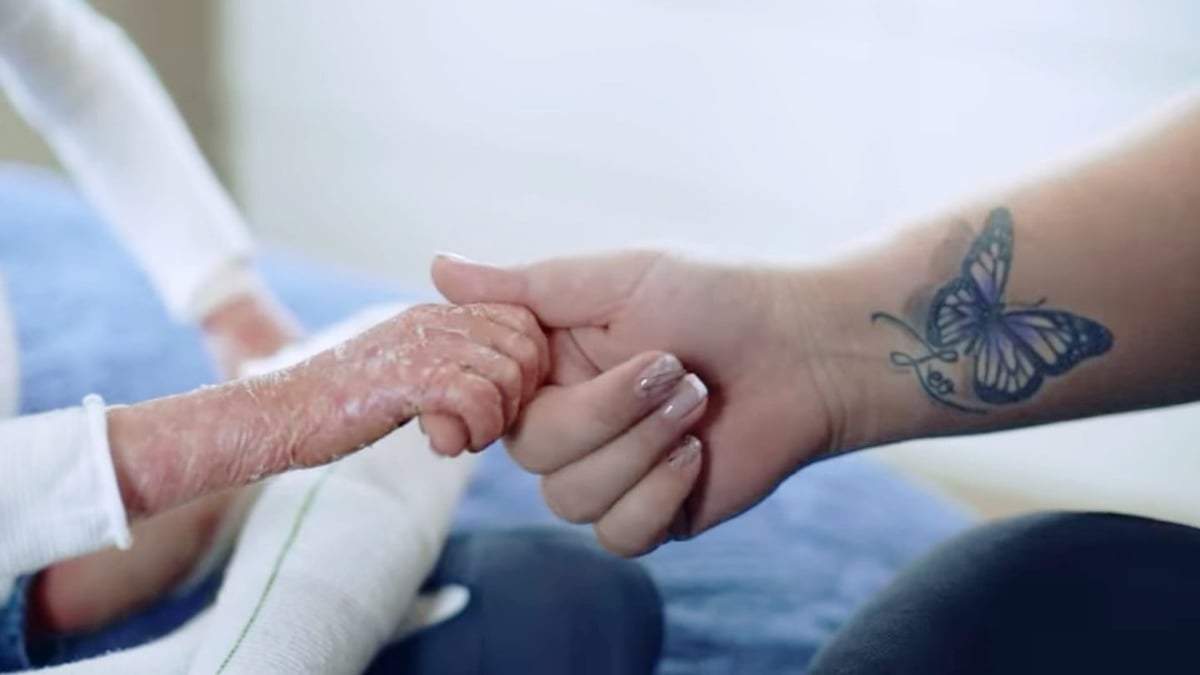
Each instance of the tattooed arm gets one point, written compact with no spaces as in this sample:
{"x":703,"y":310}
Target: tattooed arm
{"x":1078,"y":295}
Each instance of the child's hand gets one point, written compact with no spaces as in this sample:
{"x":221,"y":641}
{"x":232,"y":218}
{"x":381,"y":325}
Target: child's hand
{"x":449,"y":434}
{"x":474,"y":364}
{"x":86,"y":593}
{"x":466,"y":369}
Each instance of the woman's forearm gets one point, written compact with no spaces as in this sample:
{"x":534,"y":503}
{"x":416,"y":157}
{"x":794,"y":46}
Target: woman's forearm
{"x":1072,"y":296}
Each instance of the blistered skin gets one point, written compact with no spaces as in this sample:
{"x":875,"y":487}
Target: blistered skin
{"x":474,"y":364}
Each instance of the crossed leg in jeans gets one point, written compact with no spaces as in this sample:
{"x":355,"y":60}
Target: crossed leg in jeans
{"x":1050,"y":594}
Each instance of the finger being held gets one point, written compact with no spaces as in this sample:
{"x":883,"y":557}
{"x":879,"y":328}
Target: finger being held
{"x":447,"y":434}
{"x":565,"y":423}
{"x":585,"y":490}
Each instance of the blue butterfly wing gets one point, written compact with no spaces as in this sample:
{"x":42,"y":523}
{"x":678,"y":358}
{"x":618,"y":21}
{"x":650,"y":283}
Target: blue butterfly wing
{"x":1017,"y":351}
{"x":956,"y":315}
{"x":959,"y":312}
{"x":990,"y":257}
{"x":1058,"y":340}
{"x":1006,"y":371}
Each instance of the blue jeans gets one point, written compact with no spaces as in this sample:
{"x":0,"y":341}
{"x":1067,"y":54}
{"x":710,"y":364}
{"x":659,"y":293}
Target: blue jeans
{"x":1051,"y":594}
{"x":542,"y":601}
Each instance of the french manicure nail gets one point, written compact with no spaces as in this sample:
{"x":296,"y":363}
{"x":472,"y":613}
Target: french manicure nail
{"x":687,"y":452}
{"x":689,"y":394}
{"x":659,"y":377}
{"x":453,"y":256}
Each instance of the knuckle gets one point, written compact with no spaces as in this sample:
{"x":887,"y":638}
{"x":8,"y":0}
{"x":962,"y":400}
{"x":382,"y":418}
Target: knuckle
{"x":472,"y":394}
{"x":564,"y":504}
{"x":611,"y":539}
{"x":530,"y":459}
{"x":511,"y":311}
{"x":611,"y":418}
{"x":519,"y":345}
{"x":510,"y":373}
{"x":424,"y":309}
{"x":438,"y":379}
{"x":490,"y":404}
{"x":526,"y":318}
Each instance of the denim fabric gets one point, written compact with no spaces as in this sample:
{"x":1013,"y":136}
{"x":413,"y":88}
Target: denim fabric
{"x":542,"y":601}
{"x":1044,"y":594}
{"x":21,"y":650}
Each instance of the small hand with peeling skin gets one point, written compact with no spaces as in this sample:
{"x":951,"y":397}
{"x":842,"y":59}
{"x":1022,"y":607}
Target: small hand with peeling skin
{"x":88,"y":592}
{"x":468,"y":369}
{"x":475,"y":365}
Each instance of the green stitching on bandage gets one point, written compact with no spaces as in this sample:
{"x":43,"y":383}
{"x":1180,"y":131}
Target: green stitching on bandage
{"x":283,"y":552}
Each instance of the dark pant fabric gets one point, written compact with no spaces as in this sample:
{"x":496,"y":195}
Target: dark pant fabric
{"x":542,"y":602}
{"x":1052,"y":594}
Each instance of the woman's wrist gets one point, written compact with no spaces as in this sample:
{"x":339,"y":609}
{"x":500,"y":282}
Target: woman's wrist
{"x":849,"y":354}
{"x":899,"y":377}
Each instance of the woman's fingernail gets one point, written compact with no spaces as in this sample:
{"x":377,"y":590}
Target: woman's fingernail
{"x":689,"y":394}
{"x":685,"y":454}
{"x":454,"y":256}
{"x":659,"y":377}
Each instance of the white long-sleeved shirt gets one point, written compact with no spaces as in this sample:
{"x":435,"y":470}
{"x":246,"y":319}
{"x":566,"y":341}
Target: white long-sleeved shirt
{"x":79,"y":81}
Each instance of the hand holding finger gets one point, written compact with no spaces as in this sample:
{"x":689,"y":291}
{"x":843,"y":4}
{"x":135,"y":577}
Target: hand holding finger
{"x":599,"y":410}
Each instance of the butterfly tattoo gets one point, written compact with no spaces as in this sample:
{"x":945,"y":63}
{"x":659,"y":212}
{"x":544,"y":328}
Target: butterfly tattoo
{"x":1011,"y":348}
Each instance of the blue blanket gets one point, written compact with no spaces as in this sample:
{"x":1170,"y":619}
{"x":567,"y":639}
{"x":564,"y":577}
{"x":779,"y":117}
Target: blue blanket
{"x":758,"y":595}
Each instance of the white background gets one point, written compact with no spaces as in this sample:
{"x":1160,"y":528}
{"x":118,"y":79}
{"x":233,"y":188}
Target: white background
{"x":376,"y":132}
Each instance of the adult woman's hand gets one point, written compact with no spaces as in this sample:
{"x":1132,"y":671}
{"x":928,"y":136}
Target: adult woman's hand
{"x":1069,"y":297}
{"x":773,"y":407}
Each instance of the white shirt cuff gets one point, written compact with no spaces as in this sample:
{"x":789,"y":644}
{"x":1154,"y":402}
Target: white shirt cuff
{"x":235,"y":280}
{"x":60,"y":497}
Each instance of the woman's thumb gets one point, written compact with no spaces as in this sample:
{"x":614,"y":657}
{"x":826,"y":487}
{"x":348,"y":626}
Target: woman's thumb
{"x":562,"y":292}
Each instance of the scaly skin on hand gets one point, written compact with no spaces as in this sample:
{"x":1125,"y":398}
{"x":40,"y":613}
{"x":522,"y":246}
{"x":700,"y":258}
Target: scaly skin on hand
{"x":465,"y":362}
{"x":472,"y":365}
{"x":87,"y":592}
